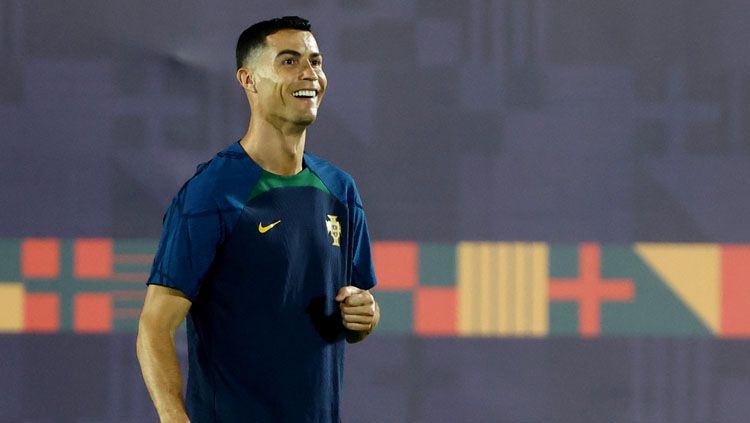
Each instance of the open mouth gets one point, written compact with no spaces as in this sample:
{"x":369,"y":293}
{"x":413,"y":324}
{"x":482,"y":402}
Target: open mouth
{"x":305,"y":93}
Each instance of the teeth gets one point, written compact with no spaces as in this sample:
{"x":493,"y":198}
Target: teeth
{"x":304,"y":93}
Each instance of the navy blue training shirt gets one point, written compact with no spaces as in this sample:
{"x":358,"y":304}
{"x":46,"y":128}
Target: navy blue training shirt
{"x":261,"y":257}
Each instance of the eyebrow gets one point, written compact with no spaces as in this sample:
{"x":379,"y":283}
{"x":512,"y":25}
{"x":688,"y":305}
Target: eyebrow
{"x":297,"y":54}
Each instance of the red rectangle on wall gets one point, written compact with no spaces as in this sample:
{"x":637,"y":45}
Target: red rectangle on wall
{"x":395,"y":264}
{"x":93,"y":258}
{"x":92,"y":313}
{"x":40,"y":258}
{"x":41,"y":312}
{"x":435,"y":311}
{"x":735,"y":291}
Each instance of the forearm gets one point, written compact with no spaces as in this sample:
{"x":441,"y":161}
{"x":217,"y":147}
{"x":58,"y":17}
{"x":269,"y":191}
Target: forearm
{"x":161,"y":372}
{"x":353,"y":336}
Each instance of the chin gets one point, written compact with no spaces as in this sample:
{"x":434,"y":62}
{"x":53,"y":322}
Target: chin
{"x":306,"y":120}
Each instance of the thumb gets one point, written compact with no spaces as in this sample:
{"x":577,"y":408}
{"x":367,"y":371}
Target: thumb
{"x":345,"y":292}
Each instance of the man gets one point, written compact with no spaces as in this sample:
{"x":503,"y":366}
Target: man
{"x":266,"y":251}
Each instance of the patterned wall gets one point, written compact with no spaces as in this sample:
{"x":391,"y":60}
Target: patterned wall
{"x":486,"y":289}
{"x":570,"y":178}
{"x":93,"y":285}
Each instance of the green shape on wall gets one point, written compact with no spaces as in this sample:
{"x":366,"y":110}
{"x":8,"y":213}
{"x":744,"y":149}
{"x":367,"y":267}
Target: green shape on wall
{"x":396,"y":315}
{"x":437,"y":264}
{"x":656,"y":310}
{"x":563,"y":319}
{"x":563,"y":261}
{"x":10,"y":260}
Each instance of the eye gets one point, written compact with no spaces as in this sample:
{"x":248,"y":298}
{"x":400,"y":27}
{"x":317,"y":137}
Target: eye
{"x":316,"y":62}
{"x":289,"y":61}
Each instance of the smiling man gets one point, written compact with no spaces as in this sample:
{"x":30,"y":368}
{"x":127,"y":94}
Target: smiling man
{"x":265,"y":253}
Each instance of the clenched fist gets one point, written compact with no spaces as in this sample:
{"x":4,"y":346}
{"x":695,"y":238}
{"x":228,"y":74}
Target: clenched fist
{"x":359,"y":310}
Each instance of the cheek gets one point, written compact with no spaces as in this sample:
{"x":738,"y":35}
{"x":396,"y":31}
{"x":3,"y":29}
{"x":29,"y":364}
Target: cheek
{"x":273,"y":92}
{"x":323,"y":80}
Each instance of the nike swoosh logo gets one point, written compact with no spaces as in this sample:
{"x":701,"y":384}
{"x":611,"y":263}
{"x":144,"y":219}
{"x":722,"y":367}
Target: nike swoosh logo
{"x":263,"y":229}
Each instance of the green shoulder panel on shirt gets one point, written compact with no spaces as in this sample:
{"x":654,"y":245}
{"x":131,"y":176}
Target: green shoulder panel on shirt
{"x":269,"y":181}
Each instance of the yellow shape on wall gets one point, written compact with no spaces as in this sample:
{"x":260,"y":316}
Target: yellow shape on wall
{"x":502,"y":289}
{"x":11,"y":306}
{"x":693,"y":273}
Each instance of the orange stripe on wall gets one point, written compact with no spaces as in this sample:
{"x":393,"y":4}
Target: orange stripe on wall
{"x":735,"y":298}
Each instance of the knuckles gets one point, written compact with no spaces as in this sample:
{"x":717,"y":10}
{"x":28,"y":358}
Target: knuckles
{"x":368,"y":310}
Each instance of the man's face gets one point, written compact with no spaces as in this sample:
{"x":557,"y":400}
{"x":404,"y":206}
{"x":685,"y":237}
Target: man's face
{"x":289,"y":79}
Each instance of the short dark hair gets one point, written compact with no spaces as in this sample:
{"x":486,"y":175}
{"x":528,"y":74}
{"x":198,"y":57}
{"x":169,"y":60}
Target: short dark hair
{"x":254,"y":37}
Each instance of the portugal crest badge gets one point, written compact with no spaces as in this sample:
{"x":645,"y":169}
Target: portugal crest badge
{"x":333,"y":228}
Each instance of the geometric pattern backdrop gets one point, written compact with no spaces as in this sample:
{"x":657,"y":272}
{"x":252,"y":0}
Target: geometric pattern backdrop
{"x":610,"y":139}
{"x":475,"y":289}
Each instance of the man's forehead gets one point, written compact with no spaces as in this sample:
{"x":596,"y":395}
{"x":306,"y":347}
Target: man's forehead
{"x":292,"y":39}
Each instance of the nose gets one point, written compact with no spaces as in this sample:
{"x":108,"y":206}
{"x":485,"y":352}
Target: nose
{"x":308,"y":72}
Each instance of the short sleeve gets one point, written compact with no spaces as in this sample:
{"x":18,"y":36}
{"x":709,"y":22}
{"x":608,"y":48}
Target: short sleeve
{"x":363,"y":275}
{"x":191,"y":232}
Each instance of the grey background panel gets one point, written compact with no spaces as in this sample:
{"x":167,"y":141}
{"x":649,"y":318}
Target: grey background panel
{"x":543,"y":120}
{"x":409,"y":379}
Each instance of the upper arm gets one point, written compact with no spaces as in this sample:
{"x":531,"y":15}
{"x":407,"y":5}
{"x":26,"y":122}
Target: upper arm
{"x":164,"y":309}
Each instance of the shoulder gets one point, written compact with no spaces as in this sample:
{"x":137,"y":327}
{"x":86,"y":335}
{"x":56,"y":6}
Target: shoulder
{"x":216,"y":183}
{"x":339,"y":183}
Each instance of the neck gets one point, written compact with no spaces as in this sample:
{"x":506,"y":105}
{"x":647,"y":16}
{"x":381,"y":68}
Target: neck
{"x":276,"y":150}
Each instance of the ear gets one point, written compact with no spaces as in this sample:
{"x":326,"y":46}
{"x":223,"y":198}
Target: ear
{"x":245,"y":79}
